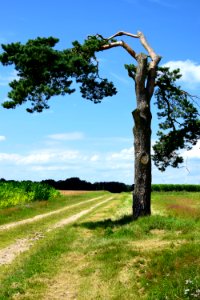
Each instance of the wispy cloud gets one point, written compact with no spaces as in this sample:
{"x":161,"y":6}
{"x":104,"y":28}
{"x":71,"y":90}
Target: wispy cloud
{"x":42,"y":156}
{"x":190,"y":71}
{"x":68,"y":136}
{"x":124,"y":154}
{"x":95,"y":157}
{"x":2,"y":138}
{"x":120,"y":78}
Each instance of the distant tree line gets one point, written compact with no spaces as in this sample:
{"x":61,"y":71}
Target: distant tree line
{"x":76,"y":183}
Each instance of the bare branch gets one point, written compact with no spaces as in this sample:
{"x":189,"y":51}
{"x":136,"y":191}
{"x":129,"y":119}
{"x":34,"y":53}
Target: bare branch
{"x":155,"y":58}
{"x":120,"y":33}
{"x":146,"y":45}
{"x":152,"y":65}
{"x":117,"y":44}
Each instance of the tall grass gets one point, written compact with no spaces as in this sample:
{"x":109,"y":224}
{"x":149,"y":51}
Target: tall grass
{"x":16,"y":193}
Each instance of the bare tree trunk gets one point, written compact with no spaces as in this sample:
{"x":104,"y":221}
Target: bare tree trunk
{"x":142,"y":142}
{"x":142,"y":145}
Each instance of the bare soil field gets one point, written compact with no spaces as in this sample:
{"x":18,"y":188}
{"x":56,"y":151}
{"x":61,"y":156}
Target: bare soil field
{"x":72,"y":192}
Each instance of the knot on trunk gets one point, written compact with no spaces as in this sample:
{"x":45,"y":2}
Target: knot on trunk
{"x":144,"y":158}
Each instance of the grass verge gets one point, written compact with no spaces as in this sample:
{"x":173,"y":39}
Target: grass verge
{"x":105,"y":255}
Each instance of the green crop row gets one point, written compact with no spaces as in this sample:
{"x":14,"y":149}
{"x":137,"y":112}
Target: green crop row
{"x":175,"y":187}
{"x":16,"y":193}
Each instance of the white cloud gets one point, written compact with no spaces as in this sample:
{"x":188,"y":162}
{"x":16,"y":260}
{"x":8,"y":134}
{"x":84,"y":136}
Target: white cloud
{"x":110,"y":166}
{"x":68,"y":136}
{"x":49,"y":168}
{"x":2,"y":138}
{"x":41,"y":157}
{"x":193,"y":153}
{"x":9,"y":157}
{"x":124,"y":154}
{"x":190,"y":71}
{"x":94,"y":157}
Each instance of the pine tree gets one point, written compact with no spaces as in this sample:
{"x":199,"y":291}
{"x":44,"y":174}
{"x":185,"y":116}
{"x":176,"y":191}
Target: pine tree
{"x":44,"y":72}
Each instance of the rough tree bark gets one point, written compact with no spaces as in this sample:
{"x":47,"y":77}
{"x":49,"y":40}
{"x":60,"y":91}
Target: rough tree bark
{"x":142,"y":142}
{"x":144,"y":75}
{"x":144,"y":87}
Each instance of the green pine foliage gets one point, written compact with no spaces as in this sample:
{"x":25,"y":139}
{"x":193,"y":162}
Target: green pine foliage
{"x":179,"y":126}
{"x":44,"y":72}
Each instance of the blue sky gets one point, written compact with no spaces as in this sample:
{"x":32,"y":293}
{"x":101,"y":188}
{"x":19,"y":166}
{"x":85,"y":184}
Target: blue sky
{"x":76,"y":137}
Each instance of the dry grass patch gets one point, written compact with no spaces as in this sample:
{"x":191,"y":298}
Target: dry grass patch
{"x":157,"y":211}
{"x":7,"y":211}
{"x":156,"y":244}
{"x":184,"y":210}
{"x":158,"y":232}
{"x":65,"y":285}
{"x":103,"y":213}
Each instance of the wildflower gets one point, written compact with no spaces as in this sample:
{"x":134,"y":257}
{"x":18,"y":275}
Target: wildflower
{"x":186,"y":291}
{"x":188,"y":281}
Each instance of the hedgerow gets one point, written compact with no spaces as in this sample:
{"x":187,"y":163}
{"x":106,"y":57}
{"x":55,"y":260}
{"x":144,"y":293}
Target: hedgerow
{"x":175,"y":187}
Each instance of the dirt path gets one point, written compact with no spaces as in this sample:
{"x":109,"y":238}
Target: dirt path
{"x":8,"y":254}
{"x":42,"y":216}
{"x":77,"y":216}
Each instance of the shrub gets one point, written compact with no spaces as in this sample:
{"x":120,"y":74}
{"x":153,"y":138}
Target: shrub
{"x":16,"y":193}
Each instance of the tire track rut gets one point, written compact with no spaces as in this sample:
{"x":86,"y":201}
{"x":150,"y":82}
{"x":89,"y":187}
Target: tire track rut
{"x":42,"y":216}
{"x":8,"y":254}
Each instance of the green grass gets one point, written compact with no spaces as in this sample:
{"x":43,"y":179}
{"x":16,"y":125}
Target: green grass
{"x":105,"y":255}
{"x":174,"y":274}
{"x":17,"y":213}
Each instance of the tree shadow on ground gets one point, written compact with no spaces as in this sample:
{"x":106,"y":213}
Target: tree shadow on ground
{"x":107,"y":223}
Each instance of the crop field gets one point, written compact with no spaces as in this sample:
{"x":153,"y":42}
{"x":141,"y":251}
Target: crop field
{"x":85,"y":246}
